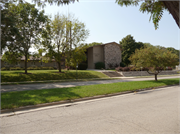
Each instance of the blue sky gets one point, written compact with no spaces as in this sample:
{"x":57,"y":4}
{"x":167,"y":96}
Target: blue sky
{"x":108,"y":22}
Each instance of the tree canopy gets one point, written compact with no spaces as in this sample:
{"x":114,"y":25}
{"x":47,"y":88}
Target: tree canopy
{"x":28,"y":23}
{"x":156,"y":8}
{"x":128,"y":46}
{"x":62,"y":35}
{"x":154,"y":58}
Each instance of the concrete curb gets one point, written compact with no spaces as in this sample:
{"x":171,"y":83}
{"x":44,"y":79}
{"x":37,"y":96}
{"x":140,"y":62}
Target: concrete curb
{"x":76,"y":100}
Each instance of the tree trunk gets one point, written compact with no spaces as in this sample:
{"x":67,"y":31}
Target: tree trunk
{"x":155,"y":77}
{"x":59,"y":64}
{"x":173,"y":7}
{"x":25,"y":61}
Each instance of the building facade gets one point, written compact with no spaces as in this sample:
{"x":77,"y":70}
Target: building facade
{"x":109,"y":54}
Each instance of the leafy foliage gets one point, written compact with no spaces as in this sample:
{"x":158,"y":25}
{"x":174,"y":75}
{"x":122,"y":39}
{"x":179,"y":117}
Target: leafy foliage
{"x":99,"y":65}
{"x":155,"y":8}
{"x":62,"y":38}
{"x":10,"y":34}
{"x":28,"y":23}
{"x":128,"y":46}
{"x":154,"y":58}
{"x":82,"y":66}
{"x":94,"y":44}
{"x":173,"y":50}
{"x":122,"y":64}
{"x":11,"y":57}
{"x":78,"y":56}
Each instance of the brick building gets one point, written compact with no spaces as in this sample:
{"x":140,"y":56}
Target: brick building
{"x":109,"y":53}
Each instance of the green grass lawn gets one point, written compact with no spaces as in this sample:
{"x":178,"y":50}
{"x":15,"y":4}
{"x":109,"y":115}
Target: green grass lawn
{"x":23,"y":98}
{"x":42,"y":75}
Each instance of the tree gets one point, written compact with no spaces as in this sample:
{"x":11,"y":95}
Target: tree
{"x":128,"y":46}
{"x":11,"y":57}
{"x":78,"y":56}
{"x":41,"y":3}
{"x":29,"y":23}
{"x":10,"y":33}
{"x":147,"y":45}
{"x":155,"y":8}
{"x":61,"y":35}
{"x":94,"y":44}
{"x":173,"y":50}
{"x":154,"y":58}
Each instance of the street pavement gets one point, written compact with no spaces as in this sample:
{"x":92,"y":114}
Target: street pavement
{"x":147,"y":112}
{"x":8,"y":88}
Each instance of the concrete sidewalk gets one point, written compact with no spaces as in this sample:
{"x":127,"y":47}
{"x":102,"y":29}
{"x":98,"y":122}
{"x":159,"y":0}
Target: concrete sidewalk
{"x":9,"y":88}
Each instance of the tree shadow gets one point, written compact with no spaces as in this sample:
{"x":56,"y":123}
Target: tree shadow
{"x":46,"y":76}
{"x":33,"y":97}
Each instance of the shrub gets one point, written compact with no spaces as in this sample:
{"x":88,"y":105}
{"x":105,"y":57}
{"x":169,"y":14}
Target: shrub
{"x":145,"y":69}
{"x":169,"y":68}
{"x":5,"y":68}
{"x":15,"y":68}
{"x":40,"y":68}
{"x":159,"y":68}
{"x":118,"y":68}
{"x":133,"y":68}
{"x":121,"y":68}
{"x":122,"y":64}
{"x":126,"y":69}
{"x":138,"y":69}
{"x":82,"y":66}
{"x":99,"y":65}
{"x":18,"y":68}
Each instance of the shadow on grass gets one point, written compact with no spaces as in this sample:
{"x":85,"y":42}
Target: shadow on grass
{"x":17,"y":77}
{"x":33,"y":97}
{"x":167,"y":81}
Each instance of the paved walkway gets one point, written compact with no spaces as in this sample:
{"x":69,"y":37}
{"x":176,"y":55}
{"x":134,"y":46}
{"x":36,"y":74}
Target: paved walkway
{"x":8,"y":88}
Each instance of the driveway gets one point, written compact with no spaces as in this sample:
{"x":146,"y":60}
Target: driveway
{"x":8,"y":88}
{"x":147,"y":112}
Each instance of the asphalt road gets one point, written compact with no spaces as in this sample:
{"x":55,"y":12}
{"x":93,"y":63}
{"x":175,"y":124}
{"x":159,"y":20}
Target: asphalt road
{"x":8,"y":88}
{"x":147,"y":112}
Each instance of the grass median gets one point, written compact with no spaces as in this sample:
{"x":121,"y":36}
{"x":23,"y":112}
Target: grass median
{"x":33,"y":97}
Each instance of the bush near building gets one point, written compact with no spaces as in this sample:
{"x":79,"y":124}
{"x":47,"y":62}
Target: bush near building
{"x":99,"y":65}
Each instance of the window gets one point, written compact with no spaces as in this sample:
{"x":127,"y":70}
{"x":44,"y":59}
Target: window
{"x":41,"y":63}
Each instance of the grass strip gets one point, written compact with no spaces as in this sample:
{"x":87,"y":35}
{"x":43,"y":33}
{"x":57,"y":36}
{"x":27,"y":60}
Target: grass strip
{"x":33,"y":97}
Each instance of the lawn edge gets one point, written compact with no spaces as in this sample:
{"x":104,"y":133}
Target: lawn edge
{"x":78,"y":100}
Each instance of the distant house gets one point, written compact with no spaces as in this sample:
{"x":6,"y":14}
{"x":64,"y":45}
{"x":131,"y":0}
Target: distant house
{"x":33,"y":62}
{"x":109,"y":53}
